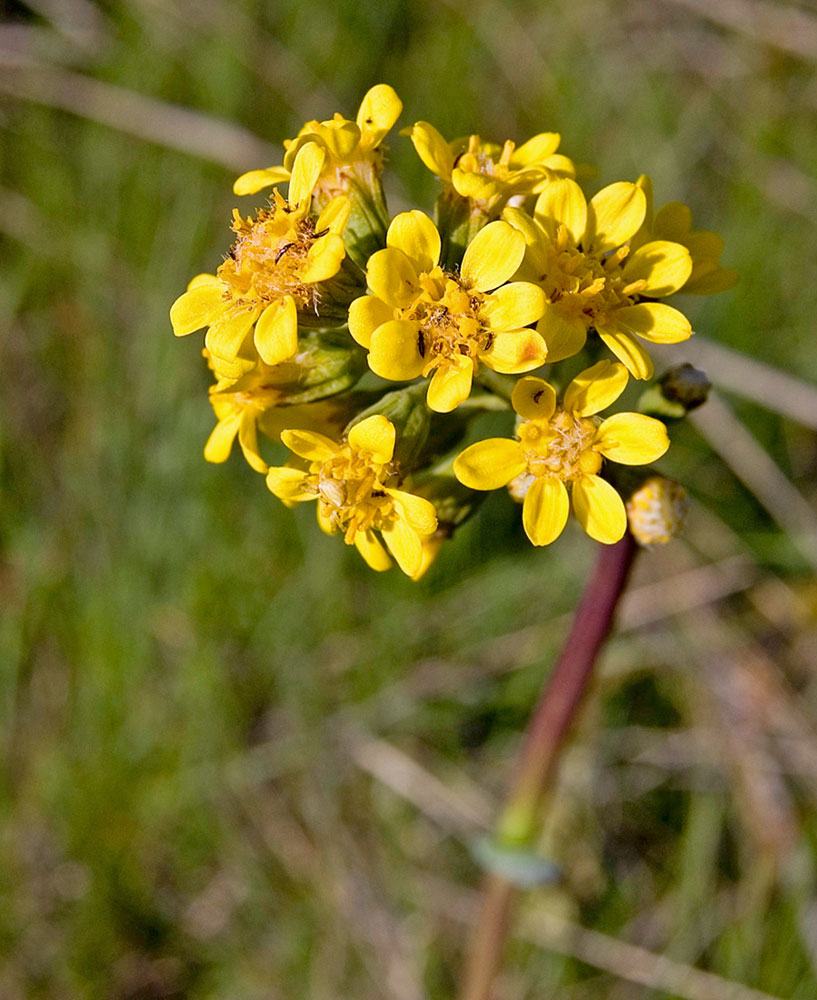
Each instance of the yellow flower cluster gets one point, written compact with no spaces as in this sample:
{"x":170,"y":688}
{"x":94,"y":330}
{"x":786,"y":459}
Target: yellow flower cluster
{"x":367,"y":344}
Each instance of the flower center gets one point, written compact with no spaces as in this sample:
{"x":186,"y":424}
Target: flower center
{"x":269,"y":255}
{"x":350,"y":492}
{"x":481,"y":158}
{"x":561,"y":446}
{"x":448,"y":316}
{"x":584,"y":282}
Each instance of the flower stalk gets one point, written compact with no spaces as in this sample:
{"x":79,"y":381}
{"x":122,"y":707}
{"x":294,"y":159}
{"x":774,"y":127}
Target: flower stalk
{"x":549,"y":727}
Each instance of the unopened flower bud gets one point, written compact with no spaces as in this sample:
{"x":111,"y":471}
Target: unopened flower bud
{"x":656,"y":511}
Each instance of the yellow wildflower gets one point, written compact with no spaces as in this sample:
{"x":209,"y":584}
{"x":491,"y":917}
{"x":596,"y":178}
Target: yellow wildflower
{"x":563,"y":446}
{"x":674,"y":222}
{"x":273,"y":275}
{"x":356,"y":485}
{"x":656,"y":511}
{"x":352,"y":148}
{"x":488,"y":173}
{"x":579,"y":253}
{"x":423,"y":320}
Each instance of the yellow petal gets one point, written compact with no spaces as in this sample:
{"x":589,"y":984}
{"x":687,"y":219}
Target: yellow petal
{"x":335,"y":216}
{"x":533,"y":398}
{"x":404,"y":544}
{"x":653,"y":321}
{"x":613,"y":216}
{"x":492,"y":256}
{"x":205,"y":279}
{"x":417,"y":511}
{"x":708,"y":278}
{"x":631,"y":438}
{"x":513,"y":352}
{"x":340,"y":138}
{"x":324,"y":259}
{"x":256,"y":180}
{"x":197,"y":307}
{"x":517,"y":304}
{"x":672,"y":222}
{"x":369,"y":546}
{"x":392,"y":277}
{"x":416,"y":235}
{"x":663,"y":266}
{"x":535,"y":262}
{"x":564,"y":333}
{"x":629,"y":351}
{"x":599,"y":509}
{"x":366,"y":314}
{"x":545,"y":510}
{"x":375,"y":436}
{"x":310,"y":445}
{"x":395,"y":350}
{"x":702,"y":243}
{"x":379,"y":110}
{"x":248,"y":440}
{"x":490,"y":464}
{"x":472,"y":185}
{"x":226,"y":334}
{"x":562,"y":202}
{"x":305,"y":173}
{"x":596,"y":388}
{"x":536,"y":150}
{"x":288,"y":484}
{"x":432,"y":149}
{"x":276,"y":332}
{"x":220,"y":443}
{"x":450,"y":384}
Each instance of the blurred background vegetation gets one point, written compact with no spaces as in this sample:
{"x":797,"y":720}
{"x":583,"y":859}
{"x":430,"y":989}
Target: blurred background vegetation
{"x":235,"y":763}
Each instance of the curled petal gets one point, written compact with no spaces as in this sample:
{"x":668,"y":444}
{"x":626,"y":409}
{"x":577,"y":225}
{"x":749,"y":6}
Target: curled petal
{"x":375,"y":436}
{"x":545,"y":510}
{"x":395,"y":350}
{"x":248,"y":440}
{"x":379,"y":110}
{"x":310,"y":445}
{"x":288,"y":484}
{"x":404,"y":544}
{"x":305,"y":173}
{"x":564,"y":333}
{"x":631,"y":439}
{"x":339,"y":138}
{"x":370,"y":547}
{"x":199,"y":306}
{"x":490,"y":464}
{"x":392,"y":277}
{"x":418,"y":512}
{"x":613,"y":216}
{"x":513,"y":352}
{"x":663,"y":267}
{"x":276,"y":332}
{"x":416,"y":235}
{"x":324,"y":259}
{"x":335,"y":215}
{"x":256,"y":180}
{"x":450,"y":384}
{"x":533,"y":398}
{"x":653,"y":321}
{"x":629,"y":351}
{"x":220,"y":443}
{"x":493,"y":256}
{"x":562,"y":203}
{"x":599,"y":509}
{"x":366,"y":314}
{"x":432,"y":149}
{"x":473,"y":185}
{"x":596,"y":388}
{"x":535,"y":150}
{"x":518,"y":304}
{"x":226,"y":333}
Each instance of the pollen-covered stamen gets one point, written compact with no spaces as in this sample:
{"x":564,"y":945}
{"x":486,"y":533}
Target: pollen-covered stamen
{"x":350,"y":490}
{"x":447,"y":314}
{"x":561,"y":446}
{"x":270,"y":254}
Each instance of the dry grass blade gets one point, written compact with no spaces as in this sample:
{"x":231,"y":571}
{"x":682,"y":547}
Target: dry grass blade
{"x":755,"y":468}
{"x":146,"y":118}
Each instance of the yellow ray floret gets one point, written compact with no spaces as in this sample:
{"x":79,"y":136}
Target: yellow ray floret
{"x":280,"y":257}
{"x":356,"y":483}
{"x":489,"y":173}
{"x":351,"y":148}
{"x":558,"y":452}
{"x":423,"y":320}
{"x":579,"y":253}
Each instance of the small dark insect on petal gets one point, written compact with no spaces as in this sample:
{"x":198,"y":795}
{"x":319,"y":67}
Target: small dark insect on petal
{"x":283,"y":250}
{"x":537,"y":395}
{"x":489,"y":341}
{"x":323,"y":232}
{"x":378,"y":493}
{"x":421,"y":344}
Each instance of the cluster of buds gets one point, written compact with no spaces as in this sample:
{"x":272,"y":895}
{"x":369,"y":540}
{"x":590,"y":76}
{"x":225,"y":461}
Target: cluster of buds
{"x":367,"y":345}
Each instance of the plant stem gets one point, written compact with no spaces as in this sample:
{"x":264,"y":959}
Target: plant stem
{"x":549,"y":726}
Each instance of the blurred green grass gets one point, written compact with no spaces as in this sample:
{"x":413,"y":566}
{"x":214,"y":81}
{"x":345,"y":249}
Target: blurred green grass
{"x":190,"y":674}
